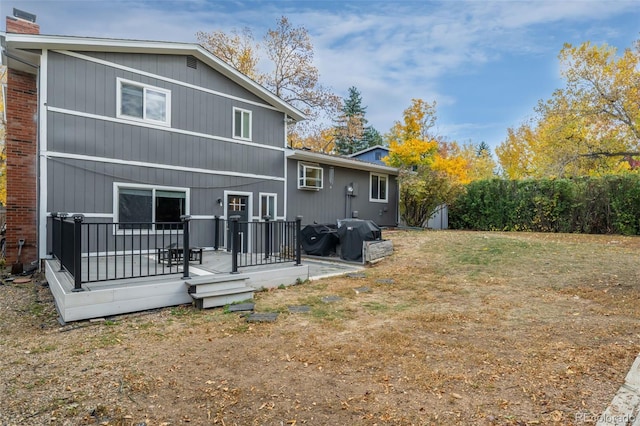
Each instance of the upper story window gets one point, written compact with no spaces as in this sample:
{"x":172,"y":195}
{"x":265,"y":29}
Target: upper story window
{"x":142,"y":102}
{"x":242,"y":124}
{"x":309,"y":176}
{"x":379,"y":187}
{"x":378,"y":155}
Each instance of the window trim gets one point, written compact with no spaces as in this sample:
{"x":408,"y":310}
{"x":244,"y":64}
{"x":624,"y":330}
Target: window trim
{"x":386,"y":192}
{"x":145,"y":87}
{"x":154,"y":188}
{"x":275,"y":204}
{"x":233,"y":124}
{"x":303,"y":179}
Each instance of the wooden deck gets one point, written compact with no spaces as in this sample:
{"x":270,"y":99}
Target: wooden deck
{"x":119,"y":296}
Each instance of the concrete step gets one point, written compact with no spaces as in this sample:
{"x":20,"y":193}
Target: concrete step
{"x":217,"y":298}
{"x":209,"y":283}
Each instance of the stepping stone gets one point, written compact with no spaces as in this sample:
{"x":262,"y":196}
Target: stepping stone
{"x":385,"y":281}
{"x":262,"y":317}
{"x":299,"y":309}
{"x":356,"y":275}
{"x":331,"y":299}
{"x":362,"y":290}
{"x":241,"y":307}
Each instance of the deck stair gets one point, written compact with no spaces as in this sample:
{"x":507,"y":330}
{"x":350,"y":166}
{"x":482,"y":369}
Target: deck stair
{"x":219,"y":290}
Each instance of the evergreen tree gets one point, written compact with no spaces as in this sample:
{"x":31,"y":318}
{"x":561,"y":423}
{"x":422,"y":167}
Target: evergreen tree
{"x":351,"y":128}
{"x":372,"y":137}
{"x":483,"y":149}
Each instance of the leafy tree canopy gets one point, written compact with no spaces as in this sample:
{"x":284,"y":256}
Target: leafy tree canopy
{"x":589,"y":127}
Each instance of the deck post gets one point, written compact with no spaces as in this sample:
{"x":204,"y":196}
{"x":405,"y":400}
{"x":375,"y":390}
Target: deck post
{"x":235,"y":243}
{"x":267,"y":236}
{"x":186,"y":254}
{"x":298,"y":241}
{"x":216,"y":233}
{"x":61,"y":216}
{"x":77,"y":252}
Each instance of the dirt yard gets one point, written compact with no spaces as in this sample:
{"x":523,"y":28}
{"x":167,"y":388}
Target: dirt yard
{"x":457,"y":328}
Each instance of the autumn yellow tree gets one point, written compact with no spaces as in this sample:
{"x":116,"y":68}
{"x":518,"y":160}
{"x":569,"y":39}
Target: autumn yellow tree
{"x":481,"y":162}
{"x":320,"y":140}
{"x":410,"y":141}
{"x":237,"y":49}
{"x":589,"y":127}
{"x":432,"y":172}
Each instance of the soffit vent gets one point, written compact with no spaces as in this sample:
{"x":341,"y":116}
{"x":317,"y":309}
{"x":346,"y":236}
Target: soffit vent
{"x":192,"y":62}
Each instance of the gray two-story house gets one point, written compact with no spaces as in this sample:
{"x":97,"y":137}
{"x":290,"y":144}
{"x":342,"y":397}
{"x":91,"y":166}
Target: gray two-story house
{"x":135,"y":135}
{"x":146,"y":131}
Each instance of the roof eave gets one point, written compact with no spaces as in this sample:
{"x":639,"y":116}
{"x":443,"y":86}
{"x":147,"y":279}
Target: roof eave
{"x":371,"y":148}
{"x":340,"y":161}
{"x":39,"y":41}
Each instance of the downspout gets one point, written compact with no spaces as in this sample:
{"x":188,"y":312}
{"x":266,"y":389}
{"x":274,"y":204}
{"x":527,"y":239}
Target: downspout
{"x":41,"y":119}
{"x":286,"y":166}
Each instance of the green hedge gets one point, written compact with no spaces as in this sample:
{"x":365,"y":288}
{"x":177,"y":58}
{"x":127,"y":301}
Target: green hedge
{"x":601,"y":205}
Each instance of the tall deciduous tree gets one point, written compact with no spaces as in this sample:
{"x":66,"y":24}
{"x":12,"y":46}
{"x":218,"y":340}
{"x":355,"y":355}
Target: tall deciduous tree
{"x":589,"y":127}
{"x":410,"y":141}
{"x":428,"y":178}
{"x":291,"y":74}
{"x":238,"y":49}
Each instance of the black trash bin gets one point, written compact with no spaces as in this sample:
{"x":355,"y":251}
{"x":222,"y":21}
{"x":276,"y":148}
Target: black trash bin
{"x":319,"y":240}
{"x":352,"y":233}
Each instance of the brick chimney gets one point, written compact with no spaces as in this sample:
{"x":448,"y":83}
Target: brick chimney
{"x":21,"y":143}
{"x":22,"y":23}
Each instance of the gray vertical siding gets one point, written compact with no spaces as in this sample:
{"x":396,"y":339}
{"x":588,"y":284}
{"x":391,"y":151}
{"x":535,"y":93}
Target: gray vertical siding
{"x":330,"y":203}
{"x":79,"y":85}
{"x":84,"y":87}
{"x":87,"y":186}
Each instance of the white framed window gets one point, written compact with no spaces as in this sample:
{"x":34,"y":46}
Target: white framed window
{"x":242,"y":124}
{"x":268,"y":205}
{"x":378,"y":188}
{"x":142,"y":102}
{"x":155,"y":208}
{"x":310,"y":176}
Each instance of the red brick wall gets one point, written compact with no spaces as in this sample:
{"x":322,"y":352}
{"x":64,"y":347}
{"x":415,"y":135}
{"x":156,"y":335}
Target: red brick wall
{"x":21,"y":26}
{"x":21,"y":146}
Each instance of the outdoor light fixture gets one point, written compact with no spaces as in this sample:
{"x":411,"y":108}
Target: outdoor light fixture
{"x":220,"y":202}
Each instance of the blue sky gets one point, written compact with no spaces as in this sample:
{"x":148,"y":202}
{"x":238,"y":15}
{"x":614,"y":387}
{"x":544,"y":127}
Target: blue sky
{"x":486,"y":63}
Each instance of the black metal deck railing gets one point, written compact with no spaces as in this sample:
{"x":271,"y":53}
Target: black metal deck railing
{"x":264,"y":243}
{"x":93,"y":252}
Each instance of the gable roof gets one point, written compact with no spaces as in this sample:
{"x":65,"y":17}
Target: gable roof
{"x":24,"y":50}
{"x":336,"y":160}
{"x":371,"y":148}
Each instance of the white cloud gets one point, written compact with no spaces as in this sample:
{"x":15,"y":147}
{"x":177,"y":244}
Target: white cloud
{"x":392,"y":51}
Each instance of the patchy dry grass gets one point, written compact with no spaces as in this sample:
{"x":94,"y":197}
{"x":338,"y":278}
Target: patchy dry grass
{"x":477,"y":328}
